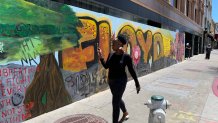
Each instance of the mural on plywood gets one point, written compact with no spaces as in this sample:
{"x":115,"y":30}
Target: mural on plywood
{"x":48,"y":54}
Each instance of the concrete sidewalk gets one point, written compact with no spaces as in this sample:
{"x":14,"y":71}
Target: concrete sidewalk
{"x":187,"y":85}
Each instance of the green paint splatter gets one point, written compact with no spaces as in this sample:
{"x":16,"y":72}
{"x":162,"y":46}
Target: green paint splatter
{"x":44,"y":98}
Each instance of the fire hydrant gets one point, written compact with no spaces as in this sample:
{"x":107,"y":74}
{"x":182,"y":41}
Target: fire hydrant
{"x":157,"y":106}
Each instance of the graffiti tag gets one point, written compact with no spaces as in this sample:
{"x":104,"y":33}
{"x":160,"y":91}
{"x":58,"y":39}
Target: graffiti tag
{"x":17,"y":98}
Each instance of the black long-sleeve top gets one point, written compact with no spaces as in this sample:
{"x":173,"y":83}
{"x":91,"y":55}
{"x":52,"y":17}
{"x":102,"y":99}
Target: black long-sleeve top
{"x":116,"y":64}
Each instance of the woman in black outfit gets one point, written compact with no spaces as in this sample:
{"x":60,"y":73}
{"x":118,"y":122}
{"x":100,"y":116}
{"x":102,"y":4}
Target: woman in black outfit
{"x":208,"y":51}
{"x":117,"y":76}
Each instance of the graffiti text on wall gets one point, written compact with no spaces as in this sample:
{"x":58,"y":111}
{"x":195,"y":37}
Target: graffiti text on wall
{"x":13,"y":84}
{"x":86,"y":55}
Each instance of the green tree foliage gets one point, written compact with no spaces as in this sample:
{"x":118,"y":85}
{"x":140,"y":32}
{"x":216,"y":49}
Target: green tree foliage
{"x":51,"y":22}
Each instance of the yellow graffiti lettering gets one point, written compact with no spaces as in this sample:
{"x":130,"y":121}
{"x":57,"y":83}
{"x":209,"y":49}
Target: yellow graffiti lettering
{"x":104,"y":38}
{"x":158,"y":49}
{"x":92,"y":32}
{"x":166,"y":44}
{"x":88,"y":30}
{"x":145,"y":43}
{"x":130,"y":32}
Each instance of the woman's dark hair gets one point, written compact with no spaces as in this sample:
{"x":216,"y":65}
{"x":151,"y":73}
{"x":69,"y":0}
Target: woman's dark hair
{"x":122,"y":39}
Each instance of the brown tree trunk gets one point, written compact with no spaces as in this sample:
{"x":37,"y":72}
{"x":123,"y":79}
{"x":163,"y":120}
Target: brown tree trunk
{"x":47,"y":91}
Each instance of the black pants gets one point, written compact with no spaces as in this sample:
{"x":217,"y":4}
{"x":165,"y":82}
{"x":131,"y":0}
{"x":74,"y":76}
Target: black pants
{"x":117,"y":88}
{"x":207,"y":56}
{"x":188,"y":54}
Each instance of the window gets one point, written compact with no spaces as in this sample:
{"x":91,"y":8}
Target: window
{"x":153,"y":23}
{"x":173,"y":3}
{"x":176,"y":4}
{"x":195,"y":15}
{"x":205,"y":22}
{"x":187,"y":8}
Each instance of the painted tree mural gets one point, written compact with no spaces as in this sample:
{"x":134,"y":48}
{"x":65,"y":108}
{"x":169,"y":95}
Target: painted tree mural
{"x":48,"y":27}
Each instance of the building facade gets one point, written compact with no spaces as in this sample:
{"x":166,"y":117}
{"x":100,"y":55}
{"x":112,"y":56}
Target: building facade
{"x":194,"y":10}
{"x":208,"y":23}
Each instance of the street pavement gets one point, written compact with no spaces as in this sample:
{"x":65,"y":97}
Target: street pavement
{"x":187,"y":86}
